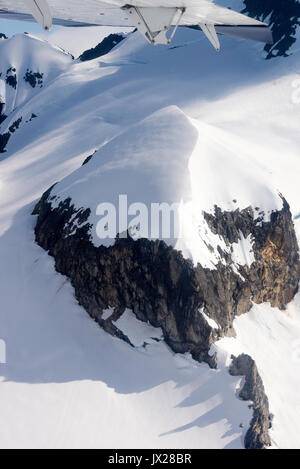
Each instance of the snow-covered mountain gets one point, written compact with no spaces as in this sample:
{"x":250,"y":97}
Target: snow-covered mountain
{"x":217,"y":134}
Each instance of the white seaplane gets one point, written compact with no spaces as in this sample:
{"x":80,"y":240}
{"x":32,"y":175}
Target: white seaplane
{"x":157,"y":20}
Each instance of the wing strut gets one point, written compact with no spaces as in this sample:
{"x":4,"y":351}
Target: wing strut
{"x":154,"y":23}
{"x":40,"y":10}
{"x":211,"y":34}
{"x":182,"y":11}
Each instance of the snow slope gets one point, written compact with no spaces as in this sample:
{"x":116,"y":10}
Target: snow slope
{"x":21,"y":54}
{"x":271,"y":337}
{"x":68,"y":384}
{"x":77,"y":40}
{"x":148,"y":163}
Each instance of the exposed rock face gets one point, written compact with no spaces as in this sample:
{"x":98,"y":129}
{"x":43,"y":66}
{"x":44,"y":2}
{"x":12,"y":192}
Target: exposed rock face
{"x":284,"y":18}
{"x":148,"y":277}
{"x":102,"y":48}
{"x":257,"y":436}
{"x":274,"y":275}
{"x":34,"y":78}
{"x":11,"y":78}
{"x":4,"y":138}
{"x":162,"y":287}
{"x":22,"y":76}
{"x":2,"y":115}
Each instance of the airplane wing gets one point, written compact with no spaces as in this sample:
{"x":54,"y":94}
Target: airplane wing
{"x":68,"y":12}
{"x":153,"y":18}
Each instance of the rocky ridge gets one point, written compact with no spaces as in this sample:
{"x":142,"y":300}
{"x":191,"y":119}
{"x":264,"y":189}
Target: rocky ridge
{"x":257,"y":436}
{"x":163,"y":288}
{"x":160,"y":286}
{"x":283,"y":17}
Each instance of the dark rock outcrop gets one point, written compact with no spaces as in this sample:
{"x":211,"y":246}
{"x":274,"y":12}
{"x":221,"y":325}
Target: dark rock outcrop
{"x":88,"y":158}
{"x":4,"y":138}
{"x":284,"y":18}
{"x":2,"y":115}
{"x":33,"y":116}
{"x":15,"y":125}
{"x":257,"y":436}
{"x":274,"y":275}
{"x":162,"y":287}
{"x":34,"y":78}
{"x":104,"y":47}
{"x":11,"y":78}
{"x":148,"y":277}
{"x":166,"y":290}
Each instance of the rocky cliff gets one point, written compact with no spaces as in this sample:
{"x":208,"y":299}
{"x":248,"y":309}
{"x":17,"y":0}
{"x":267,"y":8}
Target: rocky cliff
{"x":257,"y":436}
{"x":160,"y":286}
{"x":274,"y":275}
{"x":104,"y":47}
{"x":283,"y":17}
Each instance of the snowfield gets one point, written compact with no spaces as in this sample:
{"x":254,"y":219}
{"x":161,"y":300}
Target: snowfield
{"x":271,"y":337}
{"x":180,"y":123}
{"x":27,"y":54}
{"x":76,"y":40}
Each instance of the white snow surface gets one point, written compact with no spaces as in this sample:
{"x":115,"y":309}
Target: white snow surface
{"x":77,"y":40}
{"x":232,"y":129}
{"x":210,"y":321}
{"x":271,"y":338}
{"x":24,"y":53}
{"x":185,"y":160}
{"x":138,"y":332}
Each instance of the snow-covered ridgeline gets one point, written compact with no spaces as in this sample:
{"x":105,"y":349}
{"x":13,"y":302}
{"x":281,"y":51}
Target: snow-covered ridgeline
{"x":193,"y":167}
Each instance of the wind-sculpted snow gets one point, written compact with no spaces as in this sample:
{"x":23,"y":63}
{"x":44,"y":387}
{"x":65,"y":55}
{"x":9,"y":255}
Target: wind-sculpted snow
{"x":77,"y":41}
{"x":26,"y":66}
{"x":148,"y":163}
{"x":22,"y":57}
{"x":185,"y":159}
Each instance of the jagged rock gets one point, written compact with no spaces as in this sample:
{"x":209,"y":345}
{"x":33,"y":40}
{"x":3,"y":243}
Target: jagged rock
{"x":274,"y":276}
{"x":88,"y":158}
{"x":102,"y":48}
{"x":4,"y":138}
{"x":148,"y":277}
{"x":283,"y":16}
{"x":34,"y":78}
{"x":257,"y":436}
{"x":11,"y":77}
{"x":33,"y":116}
{"x":15,"y":125}
{"x":160,"y":286}
{"x":2,"y":115}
